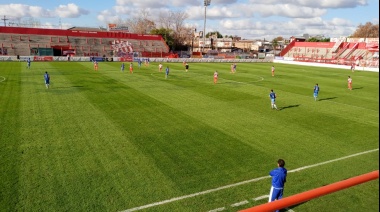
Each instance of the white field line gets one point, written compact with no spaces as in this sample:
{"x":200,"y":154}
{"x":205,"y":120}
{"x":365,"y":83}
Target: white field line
{"x":261,"y":197}
{"x":3,"y":79}
{"x":334,"y":160}
{"x":240,"y":203}
{"x":241,"y":183}
{"x":218,"y":209}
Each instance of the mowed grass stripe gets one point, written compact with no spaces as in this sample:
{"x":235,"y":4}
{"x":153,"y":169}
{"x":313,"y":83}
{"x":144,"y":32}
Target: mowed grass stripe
{"x":9,"y":130}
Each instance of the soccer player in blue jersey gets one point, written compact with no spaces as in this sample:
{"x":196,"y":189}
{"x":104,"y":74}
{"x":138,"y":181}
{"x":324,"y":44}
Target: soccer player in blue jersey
{"x":316,"y":91}
{"x":272,"y":97}
{"x":278,"y":181}
{"x":28,"y":63}
{"x":139,"y":62}
{"x":47,"y":80}
{"x":167,"y":72}
{"x":122,"y":67}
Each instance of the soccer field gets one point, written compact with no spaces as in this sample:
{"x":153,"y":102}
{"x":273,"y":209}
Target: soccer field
{"x":108,"y":140}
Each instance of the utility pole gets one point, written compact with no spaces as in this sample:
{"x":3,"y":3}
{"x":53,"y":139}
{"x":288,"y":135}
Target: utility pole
{"x":5,"y":19}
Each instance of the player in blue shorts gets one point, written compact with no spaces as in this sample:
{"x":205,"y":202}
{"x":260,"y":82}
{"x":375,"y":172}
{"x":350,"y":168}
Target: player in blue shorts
{"x":122,"y":67}
{"x":316,"y":91}
{"x":167,"y":72}
{"x":28,"y":63}
{"x":47,"y":80}
{"x":278,"y":181}
{"x":139,"y":62}
{"x":272,"y":97}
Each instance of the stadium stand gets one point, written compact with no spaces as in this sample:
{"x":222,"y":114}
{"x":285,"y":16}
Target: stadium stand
{"x":78,"y":42}
{"x":344,"y":51}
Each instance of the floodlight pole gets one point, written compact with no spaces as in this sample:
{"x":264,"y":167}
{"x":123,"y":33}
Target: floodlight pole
{"x":206,"y":3}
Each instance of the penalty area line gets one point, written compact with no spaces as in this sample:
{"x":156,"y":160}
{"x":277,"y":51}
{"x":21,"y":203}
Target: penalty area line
{"x":242,"y":183}
{"x":2,"y":79}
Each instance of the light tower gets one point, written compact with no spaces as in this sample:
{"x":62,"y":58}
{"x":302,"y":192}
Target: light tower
{"x":206,"y":3}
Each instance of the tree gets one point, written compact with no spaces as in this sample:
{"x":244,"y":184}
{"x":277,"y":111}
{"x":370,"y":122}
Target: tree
{"x":218,"y":35}
{"x":166,"y":35}
{"x":313,"y":39}
{"x":274,"y":44}
{"x":368,"y":30}
{"x":279,"y":38}
{"x":174,"y":21}
{"x":325,"y":40}
{"x":140,"y":24}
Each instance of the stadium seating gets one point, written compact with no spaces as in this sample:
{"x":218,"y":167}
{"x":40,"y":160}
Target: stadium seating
{"x":19,"y":41}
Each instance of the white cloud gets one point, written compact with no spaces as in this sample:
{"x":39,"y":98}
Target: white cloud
{"x":245,"y":18}
{"x":316,"y":3}
{"x":107,"y":16}
{"x":22,"y":10}
{"x":156,"y":3}
{"x":340,"y":22}
{"x":70,"y":11}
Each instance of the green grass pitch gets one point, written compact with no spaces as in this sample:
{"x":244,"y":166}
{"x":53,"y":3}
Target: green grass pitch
{"x":111,"y":141}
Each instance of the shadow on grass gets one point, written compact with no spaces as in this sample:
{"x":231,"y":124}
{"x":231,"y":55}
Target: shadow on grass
{"x":287,"y":107}
{"x":74,"y":86}
{"x":357,"y":88}
{"x":329,"y":98}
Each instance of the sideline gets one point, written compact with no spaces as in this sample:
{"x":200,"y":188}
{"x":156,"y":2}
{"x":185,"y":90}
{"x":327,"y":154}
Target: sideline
{"x":242,"y":183}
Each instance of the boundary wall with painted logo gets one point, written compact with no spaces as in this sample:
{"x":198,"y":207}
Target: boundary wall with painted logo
{"x":135,"y":59}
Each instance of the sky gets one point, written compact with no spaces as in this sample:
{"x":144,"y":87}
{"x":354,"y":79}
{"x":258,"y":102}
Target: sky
{"x":248,"y":19}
